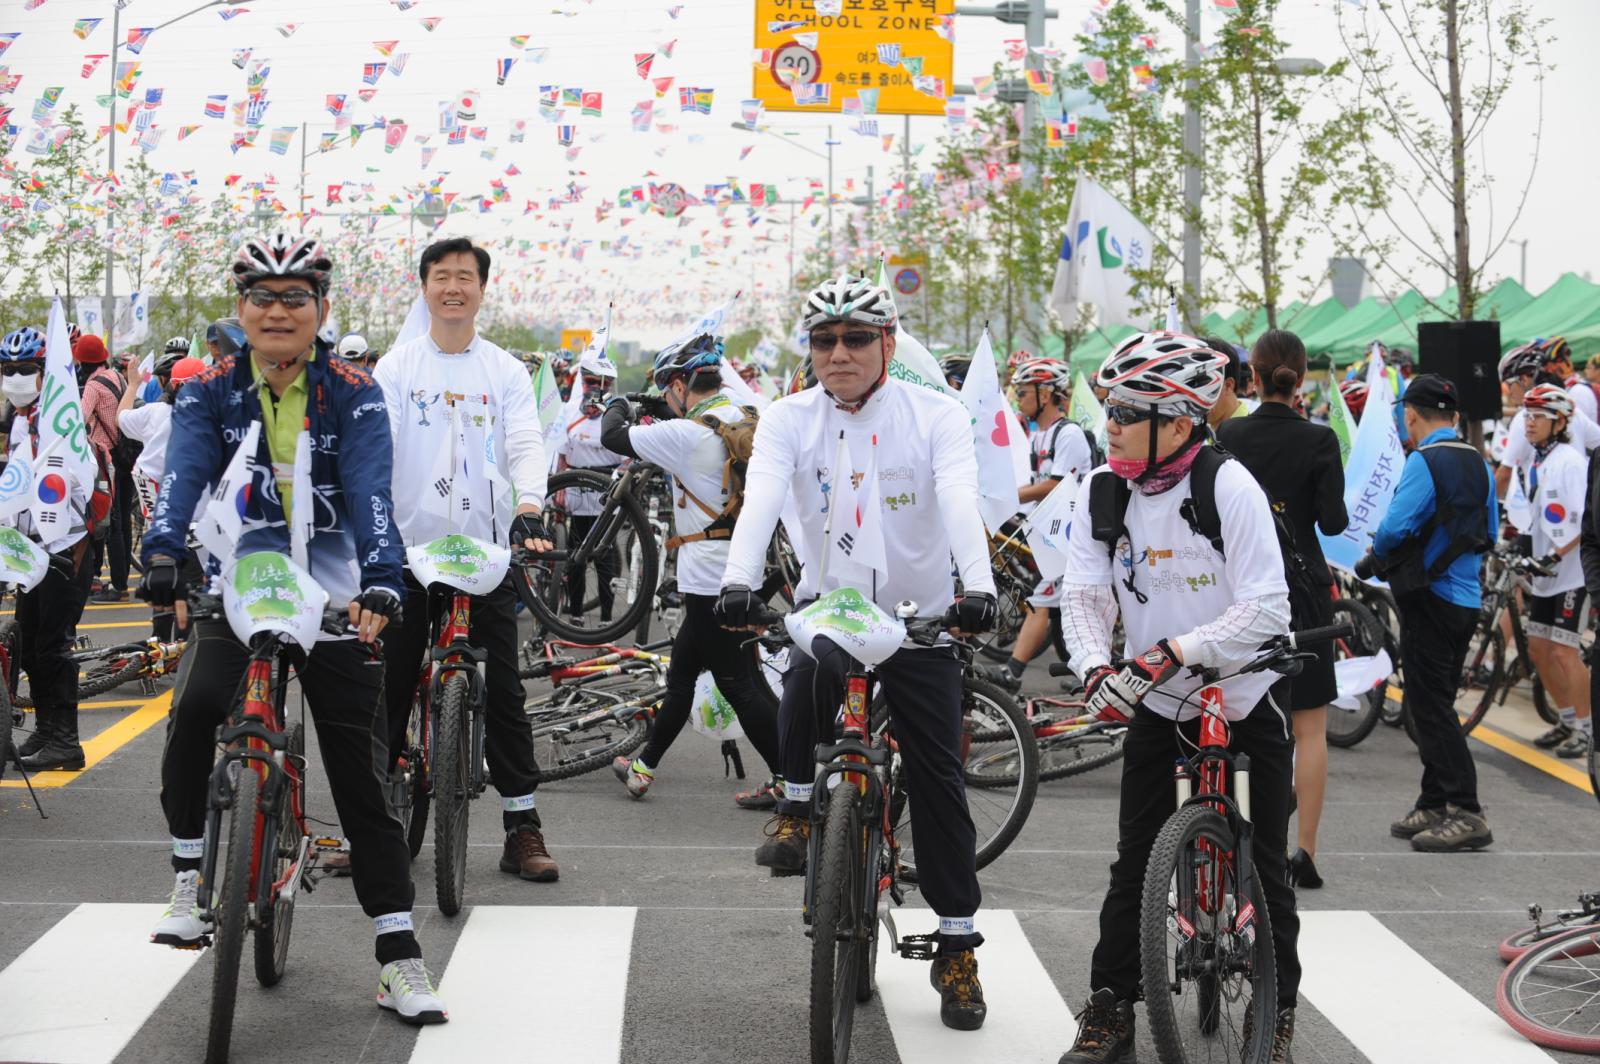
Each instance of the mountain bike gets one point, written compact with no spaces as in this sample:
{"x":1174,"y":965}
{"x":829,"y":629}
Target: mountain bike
{"x":599,"y":708}
{"x":103,"y":669}
{"x":1071,"y":741}
{"x":854,"y":866}
{"x":1205,"y":938}
{"x":1016,"y":577}
{"x":1487,"y":676}
{"x":259,"y":851}
{"x":620,"y":535}
{"x":441,"y":761}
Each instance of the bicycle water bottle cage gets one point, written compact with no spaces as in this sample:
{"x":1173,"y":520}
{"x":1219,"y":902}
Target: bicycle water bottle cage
{"x":918,"y":947}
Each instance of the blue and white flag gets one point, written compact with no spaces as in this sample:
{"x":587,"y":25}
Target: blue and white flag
{"x":1103,"y":242}
{"x":1371,"y":474}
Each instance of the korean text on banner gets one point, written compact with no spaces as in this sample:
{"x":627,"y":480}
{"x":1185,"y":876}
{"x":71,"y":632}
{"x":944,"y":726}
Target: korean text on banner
{"x":1371,"y":474}
{"x":814,"y":61}
{"x":1102,"y":245}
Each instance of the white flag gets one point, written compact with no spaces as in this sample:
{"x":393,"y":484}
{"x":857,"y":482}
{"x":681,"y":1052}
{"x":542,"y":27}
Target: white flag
{"x":416,"y":324}
{"x":303,"y":520}
{"x":17,"y":480}
{"x":856,"y":536}
{"x":1102,"y":243}
{"x":994,"y":427}
{"x":133,"y":322}
{"x":547,"y":394}
{"x":740,"y":392}
{"x":61,"y":405}
{"x":1048,"y":527}
{"x":1371,"y":474}
{"x":50,"y":502}
{"x":219,"y":526}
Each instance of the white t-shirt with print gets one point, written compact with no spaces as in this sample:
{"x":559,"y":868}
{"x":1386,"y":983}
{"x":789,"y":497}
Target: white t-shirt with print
{"x":1185,"y":583}
{"x":1556,"y":490}
{"x":582,"y":450}
{"x":695,"y":457}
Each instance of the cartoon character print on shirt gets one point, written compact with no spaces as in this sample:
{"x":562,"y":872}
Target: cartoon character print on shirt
{"x":422,"y":401}
{"x":1158,"y":572}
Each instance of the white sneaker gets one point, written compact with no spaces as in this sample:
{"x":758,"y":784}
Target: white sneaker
{"x":633,"y":775}
{"x":181,"y":925}
{"x":406,"y":989}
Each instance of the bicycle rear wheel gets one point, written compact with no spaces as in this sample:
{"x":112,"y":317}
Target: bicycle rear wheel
{"x":998,"y":747}
{"x":232,"y":910}
{"x":1206,"y":958}
{"x":1348,"y":726}
{"x":452,"y":793}
{"x":1072,"y":753}
{"x":280,"y":844}
{"x":416,"y":787}
{"x":1482,"y":677}
{"x":111,"y":671}
{"x":1547,"y":994}
{"x":836,"y":937}
{"x":621,"y":536}
{"x":1011,"y":600}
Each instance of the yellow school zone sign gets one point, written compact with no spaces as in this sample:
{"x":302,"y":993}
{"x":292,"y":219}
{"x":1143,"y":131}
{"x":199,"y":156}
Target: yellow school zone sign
{"x":888,"y":54}
{"x":575,"y":340}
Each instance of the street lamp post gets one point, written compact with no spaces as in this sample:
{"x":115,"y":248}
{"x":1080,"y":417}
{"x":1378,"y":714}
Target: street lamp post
{"x":108,"y":306}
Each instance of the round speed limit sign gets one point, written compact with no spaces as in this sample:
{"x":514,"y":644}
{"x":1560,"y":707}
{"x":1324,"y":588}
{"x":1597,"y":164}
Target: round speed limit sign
{"x":795,"y":64}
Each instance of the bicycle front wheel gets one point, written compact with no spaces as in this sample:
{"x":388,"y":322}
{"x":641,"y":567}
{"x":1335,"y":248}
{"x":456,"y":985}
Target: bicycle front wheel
{"x":837,"y":939}
{"x":1205,"y":946}
{"x":619,"y":547}
{"x":577,"y":731}
{"x":232,"y":909}
{"x":280,"y":845}
{"x":452,"y":793}
{"x":1547,"y":994}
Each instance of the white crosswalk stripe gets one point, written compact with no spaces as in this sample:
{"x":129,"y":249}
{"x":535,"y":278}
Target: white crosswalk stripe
{"x":88,"y":985}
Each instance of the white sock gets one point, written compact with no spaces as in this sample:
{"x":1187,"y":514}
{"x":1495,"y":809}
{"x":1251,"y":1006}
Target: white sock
{"x":1569,"y":716}
{"x":1586,"y":726}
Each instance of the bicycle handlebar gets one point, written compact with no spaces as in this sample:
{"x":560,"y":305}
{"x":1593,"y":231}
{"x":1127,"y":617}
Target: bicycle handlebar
{"x":1275,"y":648}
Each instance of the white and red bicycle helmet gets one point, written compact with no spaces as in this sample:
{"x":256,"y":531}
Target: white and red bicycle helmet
{"x":1551,"y":400}
{"x":1178,"y":375}
{"x":282,"y":255}
{"x":1050,"y":373}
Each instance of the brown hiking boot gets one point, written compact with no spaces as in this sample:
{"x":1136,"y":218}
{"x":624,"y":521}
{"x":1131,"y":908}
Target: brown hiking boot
{"x":1416,"y":821}
{"x":788,"y":838}
{"x":1282,"y":1035}
{"x":526,"y":856}
{"x":955,"y":977}
{"x":1458,"y":830}
{"x":1105,"y":1031}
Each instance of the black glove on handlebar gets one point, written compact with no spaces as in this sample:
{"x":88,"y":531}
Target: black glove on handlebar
{"x":973,"y":613}
{"x":737,"y":607}
{"x":163,"y":583}
{"x":381,"y":602}
{"x":528,"y":526}
{"x":1367,"y":566}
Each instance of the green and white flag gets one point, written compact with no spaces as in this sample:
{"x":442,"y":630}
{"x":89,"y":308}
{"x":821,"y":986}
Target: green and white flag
{"x":547,"y":394}
{"x":1103,"y":242}
{"x":1086,"y":410}
{"x":1343,"y":423}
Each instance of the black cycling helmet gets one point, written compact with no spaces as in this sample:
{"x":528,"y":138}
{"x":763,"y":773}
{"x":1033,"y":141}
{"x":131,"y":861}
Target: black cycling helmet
{"x":955,"y":367}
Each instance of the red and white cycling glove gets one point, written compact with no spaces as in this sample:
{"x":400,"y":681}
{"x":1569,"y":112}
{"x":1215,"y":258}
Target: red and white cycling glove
{"x":1113,"y":696}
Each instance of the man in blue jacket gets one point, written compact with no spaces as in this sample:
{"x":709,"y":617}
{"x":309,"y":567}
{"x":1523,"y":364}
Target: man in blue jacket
{"x":1445,"y":502}
{"x":293,"y":386}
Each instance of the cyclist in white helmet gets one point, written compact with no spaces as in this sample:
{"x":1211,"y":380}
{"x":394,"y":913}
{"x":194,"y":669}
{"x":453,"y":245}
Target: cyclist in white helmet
{"x":920,"y":442}
{"x":1182,"y":603}
{"x":353,"y":347}
{"x":581,"y":449}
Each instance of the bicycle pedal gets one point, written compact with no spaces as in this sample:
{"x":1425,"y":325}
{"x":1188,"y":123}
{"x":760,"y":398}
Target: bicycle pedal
{"x":781,"y":873}
{"x":330,"y":844}
{"x":203,"y":942}
{"x":918,"y":947}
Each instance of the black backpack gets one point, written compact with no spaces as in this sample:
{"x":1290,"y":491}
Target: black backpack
{"x":1109,"y":495}
{"x":1097,"y":456}
{"x":126,"y":450}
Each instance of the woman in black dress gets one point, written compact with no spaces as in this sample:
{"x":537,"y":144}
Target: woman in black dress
{"x":1297,"y":463}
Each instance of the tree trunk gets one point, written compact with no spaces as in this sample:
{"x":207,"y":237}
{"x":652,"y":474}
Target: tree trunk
{"x":1466,"y":289}
{"x":1258,"y":187}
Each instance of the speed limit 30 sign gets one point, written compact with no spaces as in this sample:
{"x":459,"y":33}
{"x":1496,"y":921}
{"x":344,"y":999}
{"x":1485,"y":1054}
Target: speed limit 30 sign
{"x":795,"y":64}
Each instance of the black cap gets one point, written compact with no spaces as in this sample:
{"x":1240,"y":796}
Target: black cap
{"x":1431,"y":392}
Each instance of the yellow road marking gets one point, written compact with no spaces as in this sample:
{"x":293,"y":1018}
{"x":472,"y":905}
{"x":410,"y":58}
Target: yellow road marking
{"x":97,"y":606}
{"x":145,"y":623}
{"x":1529,"y":755}
{"x":107,"y":742}
{"x":107,"y":705}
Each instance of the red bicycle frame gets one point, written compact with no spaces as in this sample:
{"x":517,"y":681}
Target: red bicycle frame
{"x":1213,"y":781}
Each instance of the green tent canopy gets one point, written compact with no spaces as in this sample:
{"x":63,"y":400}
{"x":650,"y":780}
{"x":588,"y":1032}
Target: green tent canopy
{"x":1348,"y":337}
{"x":1568,"y":306}
{"x":1504,"y":299}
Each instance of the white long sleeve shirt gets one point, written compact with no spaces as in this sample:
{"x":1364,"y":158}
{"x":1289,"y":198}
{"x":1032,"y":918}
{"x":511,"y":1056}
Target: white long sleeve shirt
{"x":1217,"y":611}
{"x":927,"y":486}
{"x":418,"y":382}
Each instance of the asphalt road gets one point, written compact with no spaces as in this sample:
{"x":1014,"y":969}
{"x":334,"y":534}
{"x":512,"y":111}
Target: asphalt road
{"x":662,"y":942}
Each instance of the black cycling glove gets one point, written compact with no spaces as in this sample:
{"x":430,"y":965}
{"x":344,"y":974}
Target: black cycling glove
{"x":382,"y":602}
{"x":737,"y":607}
{"x":528,"y":526}
{"x":972,"y":613}
{"x":163,"y":583}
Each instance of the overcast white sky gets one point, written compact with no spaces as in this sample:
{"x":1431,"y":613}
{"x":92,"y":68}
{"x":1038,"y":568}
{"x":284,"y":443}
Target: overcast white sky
{"x":591,"y":45}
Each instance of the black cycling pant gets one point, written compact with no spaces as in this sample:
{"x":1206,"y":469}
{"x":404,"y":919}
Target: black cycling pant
{"x":119,"y":538}
{"x":508,"y":739}
{"x":1149,"y":799}
{"x":703,"y":645}
{"x":1434,"y":636}
{"x":605,"y":569}
{"x":923,"y":688}
{"x":342,"y":681}
{"x":47,"y":625}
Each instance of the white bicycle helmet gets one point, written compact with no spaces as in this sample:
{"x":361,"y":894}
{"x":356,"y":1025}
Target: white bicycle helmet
{"x":1549,"y":399}
{"x":1051,"y":373}
{"x":849,"y":299}
{"x":282,"y":255}
{"x":1178,"y":375}
{"x":177,"y":343}
{"x":596,"y":364}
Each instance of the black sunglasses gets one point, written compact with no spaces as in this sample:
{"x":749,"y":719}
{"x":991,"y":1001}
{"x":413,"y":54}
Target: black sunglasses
{"x":20,"y":369}
{"x":293,"y":299}
{"x":1131,"y":415}
{"x":855,"y":340}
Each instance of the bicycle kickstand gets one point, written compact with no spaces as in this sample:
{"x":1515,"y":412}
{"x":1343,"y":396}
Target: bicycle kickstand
{"x":16,"y":759}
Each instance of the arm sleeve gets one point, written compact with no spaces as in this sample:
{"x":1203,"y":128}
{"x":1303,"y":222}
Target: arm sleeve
{"x":366,"y":471}
{"x":1088,"y":602}
{"x":194,"y":458}
{"x":1332,"y":517}
{"x":530,"y":469}
{"x":136,"y":423}
{"x":1254,"y":566}
{"x":614,"y":431}
{"x":955,"y":476}
{"x":766,"y":488}
{"x":1410,"y":508}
